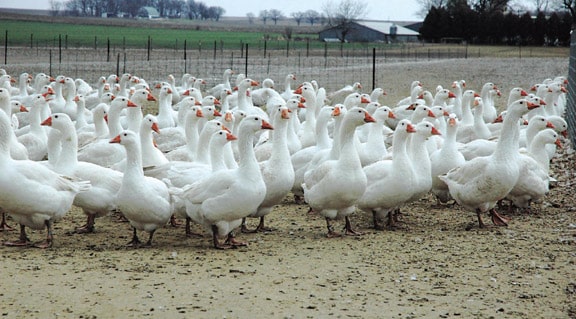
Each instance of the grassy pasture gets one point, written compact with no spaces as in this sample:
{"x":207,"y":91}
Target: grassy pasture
{"x":22,"y":33}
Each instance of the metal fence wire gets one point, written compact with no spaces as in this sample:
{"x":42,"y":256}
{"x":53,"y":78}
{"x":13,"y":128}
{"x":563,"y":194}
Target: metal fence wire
{"x":330,"y":66}
{"x":571,"y":99}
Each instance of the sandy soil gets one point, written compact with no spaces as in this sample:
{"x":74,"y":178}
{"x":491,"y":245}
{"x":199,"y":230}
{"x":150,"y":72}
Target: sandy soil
{"x":437,"y":264}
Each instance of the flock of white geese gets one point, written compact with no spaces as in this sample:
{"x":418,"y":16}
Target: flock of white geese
{"x":220,"y":155}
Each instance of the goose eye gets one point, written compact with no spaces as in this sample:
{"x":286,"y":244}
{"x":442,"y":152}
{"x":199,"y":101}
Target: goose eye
{"x":125,"y":134}
{"x":55,"y":116}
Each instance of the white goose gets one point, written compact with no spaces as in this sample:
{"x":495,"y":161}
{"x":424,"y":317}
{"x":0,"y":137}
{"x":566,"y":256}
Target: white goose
{"x":34,"y":195}
{"x":375,"y":147}
{"x":302,"y":158}
{"x":333,"y":188}
{"x":419,"y":155}
{"x":134,"y":114}
{"x":151,"y":155}
{"x":224,"y":85}
{"x":69,"y":93}
{"x":244,"y":102}
{"x":82,"y":114}
{"x":58,"y":102}
{"x":35,"y":140}
{"x":480,"y":183}
{"x":175,"y":137}
{"x":17,"y":149}
{"x":219,"y":201}
{"x":167,"y":117}
{"x":479,"y":129}
{"x":561,"y":127}
{"x":144,"y":201}
{"x":181,"y":173}
{"x":389,"y":181}
{"x":415,"y":90}
{"x":187,"y":152}
{"x":100,"y":127}
{"x":445,"y":159}
{"x":99,"y":200}
{"x":100,"y":151}
{"x":338,"y":97}
{"x":489,"y":112}
{"x":277,"y":171}
{"x":288,"y":92}
{"x":534,"y":181}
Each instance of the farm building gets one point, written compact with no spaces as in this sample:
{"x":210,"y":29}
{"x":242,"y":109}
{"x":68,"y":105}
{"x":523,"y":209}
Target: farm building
{"x":370,"y":31}
{"x":148,"y":12}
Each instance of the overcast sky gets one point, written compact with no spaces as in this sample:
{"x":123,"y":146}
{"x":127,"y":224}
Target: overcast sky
{"x":399,"y":10}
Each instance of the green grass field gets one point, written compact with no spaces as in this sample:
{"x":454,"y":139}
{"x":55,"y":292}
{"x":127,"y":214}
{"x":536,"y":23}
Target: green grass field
{"x":22,"y":33}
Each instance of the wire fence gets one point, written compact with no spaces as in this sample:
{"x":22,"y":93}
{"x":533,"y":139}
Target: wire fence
{"x":571,"y":98}
{"x":333,"y":66}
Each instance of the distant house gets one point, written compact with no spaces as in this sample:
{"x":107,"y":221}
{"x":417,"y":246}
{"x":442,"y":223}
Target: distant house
{"x":148,"y":13}
{"x":370,"y":31}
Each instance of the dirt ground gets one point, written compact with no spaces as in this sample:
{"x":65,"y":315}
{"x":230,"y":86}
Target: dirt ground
{"x":437,"y":264}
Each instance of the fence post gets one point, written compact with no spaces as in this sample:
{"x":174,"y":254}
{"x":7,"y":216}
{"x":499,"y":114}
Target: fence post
{"x":118,"y":64}
{"x":246,"y":61}
{"x":59,"y":48}
{"x":31,"y":40}
{"x":6,"y":47}
{"x":215,"y":48}
{"x":148,"y":59}
{"x":50,"y":62}
{"x":373,"y":68}
{"x":185,"y":62}
{"x":265,"y":45}
{"x":325,"y":54}
{"x":108,"y":50}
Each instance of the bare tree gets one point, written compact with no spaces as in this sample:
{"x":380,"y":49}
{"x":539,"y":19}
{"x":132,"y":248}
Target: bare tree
{"x":426,"y":5}
{"x":345,"y":11}
{"x":55,"y":7}
{"x":542,"y":5}
{"x":343,"y":14}
{"x":275,"y":15}
{"x":264,"y":15}
{"x":570,"y":5}
{"x":298,"y":16}
{"x":216,"y":13}
{"x":311,"y":16}
{"x":251,"y":16}
{"x":490,"y":6}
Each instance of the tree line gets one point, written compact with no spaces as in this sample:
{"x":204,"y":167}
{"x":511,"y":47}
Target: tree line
{"x":495,"y":23}
{"x":190,"y":9}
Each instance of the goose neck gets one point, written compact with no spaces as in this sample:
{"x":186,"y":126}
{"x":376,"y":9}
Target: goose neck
{"x":69,"y":152}
{"x":507,"y":145}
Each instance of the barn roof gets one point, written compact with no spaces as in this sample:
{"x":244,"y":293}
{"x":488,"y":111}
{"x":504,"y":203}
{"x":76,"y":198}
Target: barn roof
{"x":384,"y":27}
